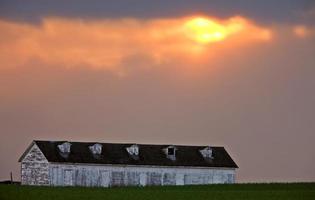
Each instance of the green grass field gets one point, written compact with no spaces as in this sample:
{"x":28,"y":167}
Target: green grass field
{"x":229,"y":192}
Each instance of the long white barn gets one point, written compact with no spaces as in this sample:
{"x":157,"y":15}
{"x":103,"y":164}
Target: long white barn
{"x":61,"y":163}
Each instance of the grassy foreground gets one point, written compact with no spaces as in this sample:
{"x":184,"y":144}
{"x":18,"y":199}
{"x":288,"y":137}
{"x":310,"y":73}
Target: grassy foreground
{"x":238,"y":191}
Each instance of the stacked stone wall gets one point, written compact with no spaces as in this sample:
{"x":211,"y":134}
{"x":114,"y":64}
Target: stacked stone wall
{"x":34,"y":168}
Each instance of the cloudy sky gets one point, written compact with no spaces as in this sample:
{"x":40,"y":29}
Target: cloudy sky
{"x":238,"y":74}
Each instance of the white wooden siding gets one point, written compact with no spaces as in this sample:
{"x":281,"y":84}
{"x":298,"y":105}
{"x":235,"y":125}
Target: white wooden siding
{"x":110,"y":175}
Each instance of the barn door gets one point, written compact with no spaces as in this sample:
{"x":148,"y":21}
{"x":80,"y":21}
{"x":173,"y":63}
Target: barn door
{"x":180,"y":179}
{"x":68,"y":178}
{"x":143,"y":179}
{"x":54,"y":176}
{"x":105,"y":178}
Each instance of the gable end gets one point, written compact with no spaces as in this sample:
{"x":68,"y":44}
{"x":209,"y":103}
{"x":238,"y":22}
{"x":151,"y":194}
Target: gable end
{"x":33,"y":154}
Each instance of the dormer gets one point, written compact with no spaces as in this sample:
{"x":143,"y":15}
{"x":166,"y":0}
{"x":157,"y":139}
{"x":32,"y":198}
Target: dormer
{"x":170,"y":152}
{"x":133,"y":151}
{"x":96,"y":149}
{"x":64,"y":149}
{"x":206,"y":152}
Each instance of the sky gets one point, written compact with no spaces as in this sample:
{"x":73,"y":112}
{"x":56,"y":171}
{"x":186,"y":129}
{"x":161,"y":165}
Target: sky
{"x":238,"y":74}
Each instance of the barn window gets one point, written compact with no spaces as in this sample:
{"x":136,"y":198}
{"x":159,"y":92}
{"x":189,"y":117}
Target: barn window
{"x":133,"y":150}
{"x":154,"y":178}
{"x":206,"y":152}
{"x":117,"y":178}
{"x":65,"y":147}
{"x":169,"y":179}
{"x":170,"y":152}
{"x":96,"y":149}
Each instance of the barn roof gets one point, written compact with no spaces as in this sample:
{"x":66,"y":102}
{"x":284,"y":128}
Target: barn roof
{"x":113,"y":153}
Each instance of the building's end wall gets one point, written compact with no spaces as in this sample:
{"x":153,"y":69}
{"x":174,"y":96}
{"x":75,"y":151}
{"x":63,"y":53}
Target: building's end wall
{"x":34,"y":168}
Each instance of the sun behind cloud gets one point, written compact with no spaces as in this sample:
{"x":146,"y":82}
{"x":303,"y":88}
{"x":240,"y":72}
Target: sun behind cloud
{"x":204,"y":30}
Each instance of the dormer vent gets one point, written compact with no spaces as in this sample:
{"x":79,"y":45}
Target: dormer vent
{"x":133,"y":150}
{"x":64,"y":149}
{"x":96,"y":149}
{"x":206,"y":152}
{"x":170,"y":152}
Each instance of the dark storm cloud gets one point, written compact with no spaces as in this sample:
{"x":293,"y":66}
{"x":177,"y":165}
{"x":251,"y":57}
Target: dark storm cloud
{"x":266,"y":11}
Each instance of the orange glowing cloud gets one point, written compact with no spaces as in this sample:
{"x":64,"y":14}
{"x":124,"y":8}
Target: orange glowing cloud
{"x":303,"y":31}
{"x":204,"y":30}
{"x":110,"y":43}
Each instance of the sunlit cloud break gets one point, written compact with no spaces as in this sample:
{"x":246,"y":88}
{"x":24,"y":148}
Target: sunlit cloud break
{"x":303,"y":31}
{"x":108,"y":43}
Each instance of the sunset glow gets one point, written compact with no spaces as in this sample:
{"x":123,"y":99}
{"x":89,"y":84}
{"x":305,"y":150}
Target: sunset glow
{"x":204,"y":30}
{"x":234,"y":74}
{"x":303,"y":31}
{"x":300,"y":31}
{"x":102,"y":44}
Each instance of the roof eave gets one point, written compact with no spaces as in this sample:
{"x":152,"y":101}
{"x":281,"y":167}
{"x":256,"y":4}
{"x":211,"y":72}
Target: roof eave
{"x":26,"y":151}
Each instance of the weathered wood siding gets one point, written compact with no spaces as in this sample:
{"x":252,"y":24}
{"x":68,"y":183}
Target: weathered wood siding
{"x":107,"y":175}
{"x":34,"y":168}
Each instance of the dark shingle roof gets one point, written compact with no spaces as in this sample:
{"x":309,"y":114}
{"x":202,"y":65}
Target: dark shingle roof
{"x":113,"y":153}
